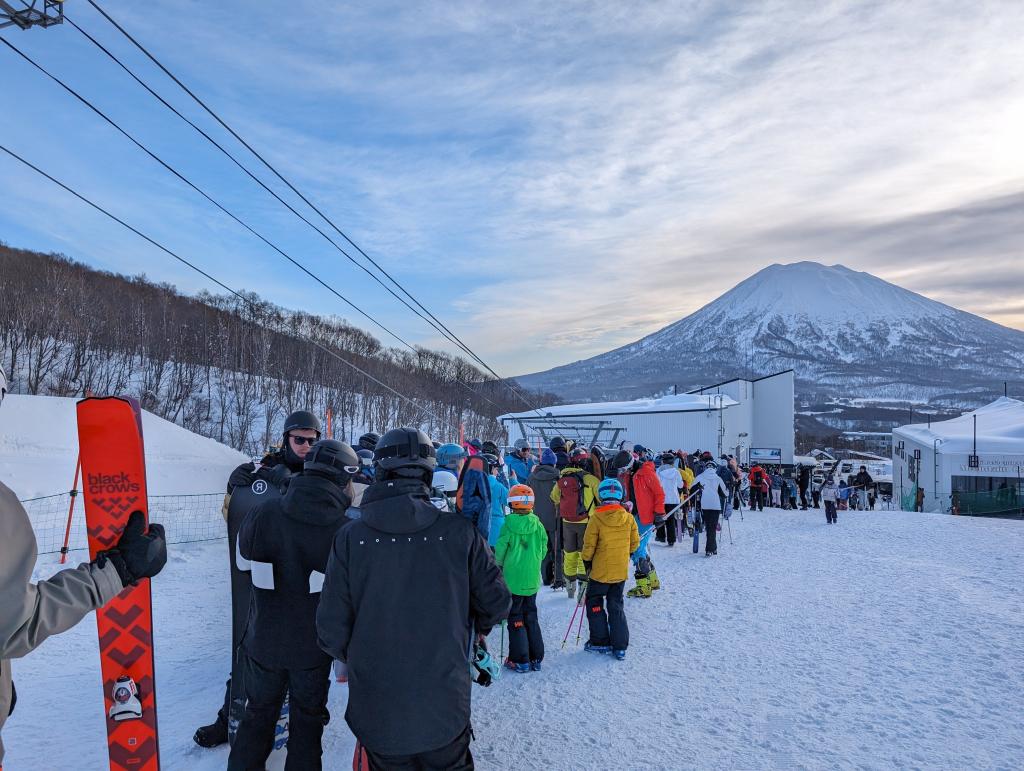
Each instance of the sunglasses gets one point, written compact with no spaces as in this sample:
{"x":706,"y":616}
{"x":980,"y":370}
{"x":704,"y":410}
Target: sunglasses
{"x":301,"y":440}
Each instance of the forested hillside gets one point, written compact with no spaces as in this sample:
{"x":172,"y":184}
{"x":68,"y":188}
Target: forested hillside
{"x":219,"y":366}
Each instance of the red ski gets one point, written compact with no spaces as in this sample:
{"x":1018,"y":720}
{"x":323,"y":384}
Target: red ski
{"x":114,"y":485}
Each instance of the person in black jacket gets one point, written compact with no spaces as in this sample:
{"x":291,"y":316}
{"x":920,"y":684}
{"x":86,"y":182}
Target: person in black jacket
{"x":866,"y":485}
{"x":248,"y":487}
{"x":408,"y":590}
{"x":804,"y":482}
{"x":285,"y":544}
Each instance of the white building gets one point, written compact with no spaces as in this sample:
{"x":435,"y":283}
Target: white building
{"x":733,"y":418}
{"x":974,"y":462}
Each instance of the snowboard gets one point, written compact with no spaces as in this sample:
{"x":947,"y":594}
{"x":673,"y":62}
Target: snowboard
{"x":696,"y":532}
{"x":114,"y":482}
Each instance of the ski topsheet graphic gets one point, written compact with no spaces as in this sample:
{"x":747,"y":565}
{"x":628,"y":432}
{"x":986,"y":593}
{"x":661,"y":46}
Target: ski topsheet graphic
{"x":114,"y":485}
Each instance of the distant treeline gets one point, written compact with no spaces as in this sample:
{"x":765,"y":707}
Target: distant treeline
{"x":222,"y":367}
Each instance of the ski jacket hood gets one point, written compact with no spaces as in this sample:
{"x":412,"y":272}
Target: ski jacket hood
{"x":542,"y":480}
{"x":520,"y":550}
{"x":315,"y":500}
{"x":611,"y":536}
{"x":392,"y":506}
{"x":711,"y":484}
{"x":670,"y":481}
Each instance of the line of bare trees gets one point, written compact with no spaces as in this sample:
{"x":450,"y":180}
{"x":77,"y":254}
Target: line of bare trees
{"x":219,"y":366}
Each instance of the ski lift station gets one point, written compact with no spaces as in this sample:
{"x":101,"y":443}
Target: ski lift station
{"x":751,"y":419}
{"x":972,"y":464}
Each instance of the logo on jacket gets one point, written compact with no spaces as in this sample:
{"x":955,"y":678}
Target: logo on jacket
{"x":259,"y":486}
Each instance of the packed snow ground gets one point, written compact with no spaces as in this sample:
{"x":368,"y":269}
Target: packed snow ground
{"x":890,"y":640}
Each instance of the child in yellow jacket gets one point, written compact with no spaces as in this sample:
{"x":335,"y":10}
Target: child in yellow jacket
{"x":611,"y":537}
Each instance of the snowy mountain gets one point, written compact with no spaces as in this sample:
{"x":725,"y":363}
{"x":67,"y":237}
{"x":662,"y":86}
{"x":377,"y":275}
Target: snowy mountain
{"x":844,"y":332}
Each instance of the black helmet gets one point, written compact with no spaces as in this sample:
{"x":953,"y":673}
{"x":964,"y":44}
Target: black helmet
{"x":405,"y":448}
{"x":492,"y":460}
{"x":622,"y":459}
{"x":490,"y":448}
{"x":302,"y":419}
{"x":557,"y":444}
{"x":368,"y":441}
{"x":334,"y":458}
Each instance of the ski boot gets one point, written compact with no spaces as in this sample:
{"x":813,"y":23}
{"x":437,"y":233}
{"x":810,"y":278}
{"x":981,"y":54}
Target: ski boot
{"x":653,"y":578}
{"x":619,"y":654}
{"x":642,"y":588}
{"x":535,"y":666}
{"x":521,"y":668}
{"x":570,"y":588}
{"x":591,"y":648}
{"x":213,"y":735}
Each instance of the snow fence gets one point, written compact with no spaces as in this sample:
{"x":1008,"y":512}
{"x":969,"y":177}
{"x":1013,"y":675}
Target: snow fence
{"x":186,"y":519}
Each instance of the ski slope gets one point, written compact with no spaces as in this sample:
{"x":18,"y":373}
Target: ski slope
{"x":890,"y":640}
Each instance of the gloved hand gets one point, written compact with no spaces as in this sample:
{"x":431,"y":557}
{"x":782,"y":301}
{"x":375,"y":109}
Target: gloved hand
{"x":242,"y":476}
{"x":587,"y":564}
{"x":138,"y":554}
{"x":659,"y":518}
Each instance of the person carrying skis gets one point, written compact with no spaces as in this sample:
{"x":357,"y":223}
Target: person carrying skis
{"x":247,"y":488}
{"x":408,"y":590}
{"x":542,"y":480}
{"x":499,"y":500}
{"x":866,"y":485}
{"x":672,"y":485}
{"x":473,"y":499}
{"x":32,"y":612}
{"x":574,"y":496}
{"x":829,"y":494}
{"x":610,"y":539}
{"x":642,"y":486}
{"x":520,"y":463}
{"x":284,"y":544}
{"x":521,"y":548}
{"x":711,"y":489}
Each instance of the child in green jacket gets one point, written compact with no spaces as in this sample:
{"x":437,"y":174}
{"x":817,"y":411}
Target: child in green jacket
{"x":521,"y":548}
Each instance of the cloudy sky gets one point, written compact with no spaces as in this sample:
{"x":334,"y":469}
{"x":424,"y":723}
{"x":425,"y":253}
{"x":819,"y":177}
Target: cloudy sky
{"x":551,"y":179}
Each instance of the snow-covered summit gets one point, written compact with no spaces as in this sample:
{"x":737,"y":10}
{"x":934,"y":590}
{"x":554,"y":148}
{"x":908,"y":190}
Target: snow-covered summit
{"x":844,"y":332}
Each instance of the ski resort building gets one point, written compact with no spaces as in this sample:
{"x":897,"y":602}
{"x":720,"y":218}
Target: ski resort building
{"x":746,"y":418}
{"x":973,"y":464}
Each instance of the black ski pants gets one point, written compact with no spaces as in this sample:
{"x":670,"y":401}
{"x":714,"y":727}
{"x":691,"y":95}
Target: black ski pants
{"x":607,"y":625}
{"x":525,"y":643}
{"x":830,"y":511}
{"x":551,"y":566}
{"x":666,"y":533}
{"x":454,"y":756}
{"x":757,"y":498}
{"x":803,"y":497}
{"x":816,"y":494}
{"x":307,"y":716}
{"x":711,"y":529}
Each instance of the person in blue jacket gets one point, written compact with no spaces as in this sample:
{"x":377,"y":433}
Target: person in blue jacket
{"x":473,"y":499}
{"x":521,"y":462}
{"x":499,"y":500}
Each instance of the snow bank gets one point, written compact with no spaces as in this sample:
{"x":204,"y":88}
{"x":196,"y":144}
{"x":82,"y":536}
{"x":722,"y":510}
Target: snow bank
{"x":39,"y":449}
{"x":890,"y":640}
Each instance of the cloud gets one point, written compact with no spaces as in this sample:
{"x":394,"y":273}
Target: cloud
{"x":554,"y":180}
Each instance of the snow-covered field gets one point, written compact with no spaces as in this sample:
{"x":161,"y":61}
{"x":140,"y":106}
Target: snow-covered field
{"x":892,"y":640}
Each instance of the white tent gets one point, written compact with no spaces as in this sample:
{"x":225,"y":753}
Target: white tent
{"x":972,"y":464}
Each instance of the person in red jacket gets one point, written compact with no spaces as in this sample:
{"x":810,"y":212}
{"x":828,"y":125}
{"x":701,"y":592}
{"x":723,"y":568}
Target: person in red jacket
{"x":758,"y":486}
{"x":648,"y":497}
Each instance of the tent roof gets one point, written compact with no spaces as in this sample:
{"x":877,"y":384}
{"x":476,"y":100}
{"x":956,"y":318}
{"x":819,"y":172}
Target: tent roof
{"x":1000,"y":430}
{"x":674,"y":403}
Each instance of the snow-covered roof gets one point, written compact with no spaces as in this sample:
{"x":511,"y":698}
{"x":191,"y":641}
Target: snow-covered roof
{"x":1000,"y":430}
{"x":674,"y":403}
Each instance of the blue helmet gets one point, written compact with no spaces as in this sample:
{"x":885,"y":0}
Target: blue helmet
{"x":610,"y":490}
{"x":449,"y":455}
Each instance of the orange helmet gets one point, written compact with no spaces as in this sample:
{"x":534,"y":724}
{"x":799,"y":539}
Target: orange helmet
{"x":520,"y":498}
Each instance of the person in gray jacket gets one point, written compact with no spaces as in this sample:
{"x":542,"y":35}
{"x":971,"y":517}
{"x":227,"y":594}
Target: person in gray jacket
{"x":542,"y":479}
{"x":29,"y":613}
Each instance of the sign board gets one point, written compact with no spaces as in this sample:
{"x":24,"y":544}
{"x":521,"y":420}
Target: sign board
{"x":765,"y":455}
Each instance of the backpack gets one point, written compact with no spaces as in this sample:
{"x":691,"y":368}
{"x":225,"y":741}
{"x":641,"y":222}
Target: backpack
{"x":759,"y":478}
{"x":572,"y":506}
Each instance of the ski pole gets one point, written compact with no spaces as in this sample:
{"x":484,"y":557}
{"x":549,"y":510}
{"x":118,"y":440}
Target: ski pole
{"x":572,"y":620}
{"x":501,"y":649}
{"x":583,"y":594}
{"x":729,"y":526}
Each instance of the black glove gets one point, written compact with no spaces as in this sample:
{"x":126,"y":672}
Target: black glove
{"x":659,"y":518}
{"x":138,"y":554}
{"x":242,"y":476}
{"x":587,"y":564}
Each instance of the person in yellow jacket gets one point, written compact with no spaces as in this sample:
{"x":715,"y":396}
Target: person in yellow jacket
{"x":574,"y":496}
{"x":611,"y":537}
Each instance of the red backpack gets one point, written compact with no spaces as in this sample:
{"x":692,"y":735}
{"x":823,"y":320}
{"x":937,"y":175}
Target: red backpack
{"x":572,"y":506}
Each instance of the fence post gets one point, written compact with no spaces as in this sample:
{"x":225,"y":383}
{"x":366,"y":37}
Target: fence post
{"x":71,"y":511}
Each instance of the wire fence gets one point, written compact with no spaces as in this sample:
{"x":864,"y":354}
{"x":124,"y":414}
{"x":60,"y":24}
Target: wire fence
{"x":186,"y":519}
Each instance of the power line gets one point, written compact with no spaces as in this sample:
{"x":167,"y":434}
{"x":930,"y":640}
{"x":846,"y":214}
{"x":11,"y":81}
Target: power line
{"x":298,"y":333}
{"x":515,"y":390}
{"x":209,"y":198}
